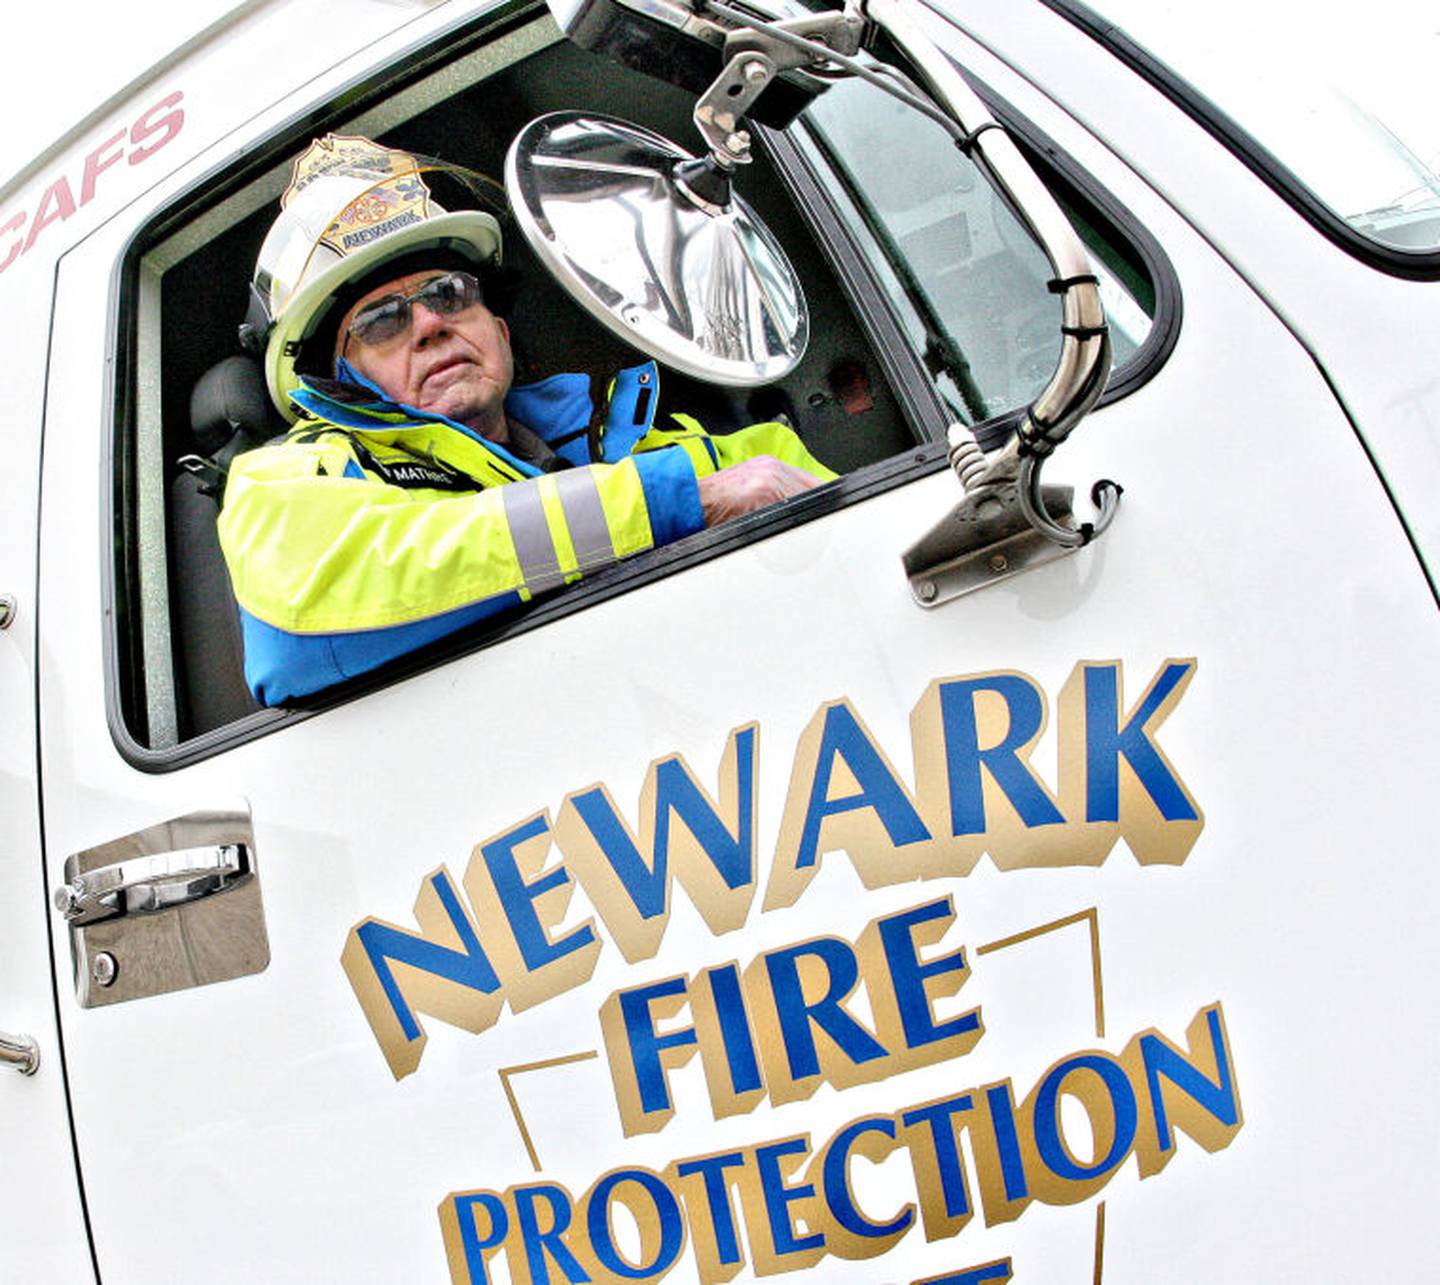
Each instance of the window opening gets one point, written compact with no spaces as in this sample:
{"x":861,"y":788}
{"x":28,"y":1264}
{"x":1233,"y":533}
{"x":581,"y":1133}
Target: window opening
{"x":954,"y":265}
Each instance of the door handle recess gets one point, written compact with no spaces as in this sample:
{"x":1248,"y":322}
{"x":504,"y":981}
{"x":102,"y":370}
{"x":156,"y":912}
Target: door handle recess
{"x":21,"y":1052}
{"x":174,"y":905}
{"x":141,"y":885}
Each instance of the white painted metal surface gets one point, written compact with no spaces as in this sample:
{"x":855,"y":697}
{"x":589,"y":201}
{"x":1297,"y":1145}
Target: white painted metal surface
{"x":260,"y":1114}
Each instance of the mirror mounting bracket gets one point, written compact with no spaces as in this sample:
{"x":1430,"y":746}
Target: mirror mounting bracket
{"x":754,"y":57}
{"x":1007,"y":522}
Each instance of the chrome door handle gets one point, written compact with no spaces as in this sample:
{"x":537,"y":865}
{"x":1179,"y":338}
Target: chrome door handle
{"x":21,"y":1052}
{"x":174,"y":905}
{"x":156,"y":882}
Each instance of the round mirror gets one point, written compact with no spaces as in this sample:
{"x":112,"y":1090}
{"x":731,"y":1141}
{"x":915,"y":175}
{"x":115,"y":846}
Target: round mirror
{"x":703,"y":287}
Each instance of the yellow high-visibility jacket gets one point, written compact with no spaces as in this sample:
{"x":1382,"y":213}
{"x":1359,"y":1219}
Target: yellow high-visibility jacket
{"x":372,"y":529}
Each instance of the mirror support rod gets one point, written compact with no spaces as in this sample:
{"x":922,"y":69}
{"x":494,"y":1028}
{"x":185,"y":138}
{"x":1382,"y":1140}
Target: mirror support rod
{"x":1084,"y":363}
{"x":1007,"y":521}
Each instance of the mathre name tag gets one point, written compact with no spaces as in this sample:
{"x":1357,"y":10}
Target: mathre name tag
{"x":422,"y":474}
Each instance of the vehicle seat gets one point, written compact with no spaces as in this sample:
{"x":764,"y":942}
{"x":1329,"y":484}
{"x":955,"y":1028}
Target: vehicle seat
{"x":230,"y":412}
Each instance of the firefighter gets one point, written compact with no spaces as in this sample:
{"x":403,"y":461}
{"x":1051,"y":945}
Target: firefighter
{"x":421,"y":490}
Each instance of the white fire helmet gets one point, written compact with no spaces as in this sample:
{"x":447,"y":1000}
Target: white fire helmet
{"x":351,"y":206}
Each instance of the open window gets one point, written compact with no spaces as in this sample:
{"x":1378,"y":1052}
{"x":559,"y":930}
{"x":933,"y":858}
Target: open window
{"x":928,"y":303}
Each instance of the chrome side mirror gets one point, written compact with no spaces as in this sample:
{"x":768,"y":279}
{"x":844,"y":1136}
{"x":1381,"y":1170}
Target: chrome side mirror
{"x":628,"y":223}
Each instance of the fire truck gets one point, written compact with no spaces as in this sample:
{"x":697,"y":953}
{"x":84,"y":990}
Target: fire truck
{"x":997,"y":863}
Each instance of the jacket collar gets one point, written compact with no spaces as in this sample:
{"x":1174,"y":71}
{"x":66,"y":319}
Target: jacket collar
{"x":558,"y":408}
{"x":553,"y":406}
{"x":352,"y":401}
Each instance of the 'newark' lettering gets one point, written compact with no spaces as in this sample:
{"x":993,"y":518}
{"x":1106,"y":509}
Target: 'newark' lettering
{"x":974,"y":792}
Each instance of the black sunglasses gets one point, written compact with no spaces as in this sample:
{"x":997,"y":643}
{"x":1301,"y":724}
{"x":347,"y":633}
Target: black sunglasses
{"x":389,"y":317}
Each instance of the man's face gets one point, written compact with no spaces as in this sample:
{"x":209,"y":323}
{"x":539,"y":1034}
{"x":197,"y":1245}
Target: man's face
{"x":458,"y":365}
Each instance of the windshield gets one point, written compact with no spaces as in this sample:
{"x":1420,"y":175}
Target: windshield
{"x":1342,"y":96}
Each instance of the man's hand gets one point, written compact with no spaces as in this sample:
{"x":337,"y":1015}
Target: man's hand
{"x":750,"y":485}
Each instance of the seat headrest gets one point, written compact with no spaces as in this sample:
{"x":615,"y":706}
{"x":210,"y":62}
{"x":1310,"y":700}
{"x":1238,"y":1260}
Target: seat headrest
{"x":230,"y":404}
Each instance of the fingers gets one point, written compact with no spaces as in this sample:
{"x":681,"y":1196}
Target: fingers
{"x":750,"y":485}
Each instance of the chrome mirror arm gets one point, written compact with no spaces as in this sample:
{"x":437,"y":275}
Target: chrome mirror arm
{"x":986,"y":538}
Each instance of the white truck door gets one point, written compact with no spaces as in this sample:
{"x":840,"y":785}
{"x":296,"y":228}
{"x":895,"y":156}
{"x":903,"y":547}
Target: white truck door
{"x":254,"y":1121}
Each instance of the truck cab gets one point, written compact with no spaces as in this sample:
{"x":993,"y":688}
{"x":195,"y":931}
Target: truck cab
{"x":927,"y":838}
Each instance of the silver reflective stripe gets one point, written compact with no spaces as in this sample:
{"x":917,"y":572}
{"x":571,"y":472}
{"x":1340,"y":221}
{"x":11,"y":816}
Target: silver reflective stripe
{"x":585,"y":516}
{"x":531,"y":533}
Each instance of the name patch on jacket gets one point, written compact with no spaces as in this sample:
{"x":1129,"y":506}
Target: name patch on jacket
{"x":421,"y":474}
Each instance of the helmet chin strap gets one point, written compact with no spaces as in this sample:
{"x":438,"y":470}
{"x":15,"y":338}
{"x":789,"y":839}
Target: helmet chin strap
{"x":255,"y":329}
